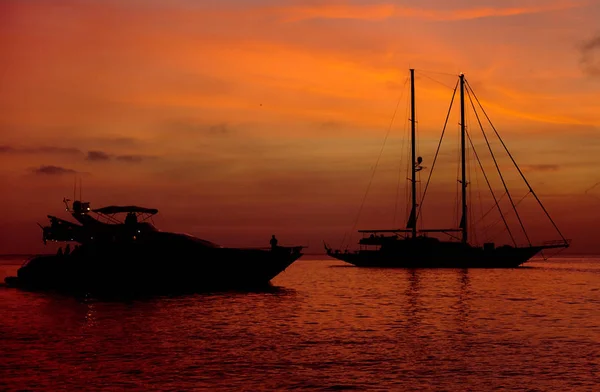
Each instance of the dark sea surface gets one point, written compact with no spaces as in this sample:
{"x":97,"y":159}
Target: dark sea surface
{"x":323,"y":326}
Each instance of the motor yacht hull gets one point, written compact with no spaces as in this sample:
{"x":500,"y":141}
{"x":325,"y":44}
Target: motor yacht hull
{"x":146,"y":267}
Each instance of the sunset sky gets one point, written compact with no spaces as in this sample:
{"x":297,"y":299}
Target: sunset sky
{"x":246,"y":118}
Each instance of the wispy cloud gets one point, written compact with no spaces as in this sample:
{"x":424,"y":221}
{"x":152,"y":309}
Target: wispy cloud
{"x":186,"y":128}
{"x":96,"y":156}
{"x":219,"y":129}
{"x":92,"y":155}
{"x":344,"y":10}
{"x":101,"y":156}
{"x":590,"y":56}
{"x":51,"y":170}
{"x":39,"y":150}
{"x":134,"y":158}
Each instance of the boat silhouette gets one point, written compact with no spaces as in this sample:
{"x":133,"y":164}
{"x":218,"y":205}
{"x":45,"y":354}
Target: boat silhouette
{"x":413,"y":247}
{"x":130,"y":255}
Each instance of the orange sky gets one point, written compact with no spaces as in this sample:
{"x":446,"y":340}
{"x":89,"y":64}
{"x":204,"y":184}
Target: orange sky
{"x":240,"y":119}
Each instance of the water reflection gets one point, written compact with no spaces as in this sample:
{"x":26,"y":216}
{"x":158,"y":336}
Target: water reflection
{"x":90,"y":315}
{"x":318,"y":328}
{"x":413,"y":299}
{"x":463,"y":300}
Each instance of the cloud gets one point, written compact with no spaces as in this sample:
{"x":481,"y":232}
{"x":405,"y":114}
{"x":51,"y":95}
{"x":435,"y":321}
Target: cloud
{"x":101,"y":156}
{"x":52,"y":170}
{"x":39,"y":150}
{"x":57,"y":150}
{"x":97,"y":156}
{"x":134,"y":158}
{"x":376,"y":12}
{"x":92,"y":155}
{"x":590,"y":56}
{"x":186,"y":128}
{"x":129,"y":158}
{"x":219,"y":129}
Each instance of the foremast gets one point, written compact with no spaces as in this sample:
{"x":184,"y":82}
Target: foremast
{"x":463,"y":176}
{"x":411,"y":226}
{"x":412,"y":220}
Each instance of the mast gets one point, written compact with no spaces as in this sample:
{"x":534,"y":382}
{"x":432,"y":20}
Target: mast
{"x":463,"y":180}
{"x":413,"y":214}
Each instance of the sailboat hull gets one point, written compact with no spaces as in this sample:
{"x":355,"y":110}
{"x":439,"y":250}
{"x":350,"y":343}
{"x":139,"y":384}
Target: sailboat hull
{"x":426,"y":254}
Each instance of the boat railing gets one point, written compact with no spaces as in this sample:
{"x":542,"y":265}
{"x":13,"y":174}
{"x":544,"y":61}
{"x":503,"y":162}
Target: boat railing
{"x":557,"y":242}
{"x":291,"y":247}
{"x":28,"y":260}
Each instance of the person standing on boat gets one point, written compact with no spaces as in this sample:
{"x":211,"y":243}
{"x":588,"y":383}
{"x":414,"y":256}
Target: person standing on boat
{"x":273,"y":242}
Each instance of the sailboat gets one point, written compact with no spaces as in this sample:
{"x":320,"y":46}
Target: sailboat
{"x":411,"y":247}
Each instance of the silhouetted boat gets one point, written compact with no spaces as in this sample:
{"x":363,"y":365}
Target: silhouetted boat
{"x":411,"y":247}
{"x":132,"y":256}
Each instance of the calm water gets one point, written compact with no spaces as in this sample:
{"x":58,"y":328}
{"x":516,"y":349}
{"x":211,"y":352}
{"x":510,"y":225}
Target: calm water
{"x":325,"y":327}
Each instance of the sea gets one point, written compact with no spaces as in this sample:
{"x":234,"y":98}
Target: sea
{"x":322,"y":326}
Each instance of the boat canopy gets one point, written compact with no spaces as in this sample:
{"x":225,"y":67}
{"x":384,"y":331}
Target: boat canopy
{"x":108,"y":210}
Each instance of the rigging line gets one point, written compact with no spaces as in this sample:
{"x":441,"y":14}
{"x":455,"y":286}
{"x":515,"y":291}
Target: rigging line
{"x":379,"y":157}
{"x":399,"y":175}
{"x":519,"y":202}
{"x":457,"y":201}
{"x":516,"y":204}
{"x":437,"y":81}
{"x":437,"y":151}
{"x":404,"y":137}
{"x":491,"y":208}
{"x":420,"y":222}
{"x":435,"y":72}
{"x":553,"y":255}
{"x":407,"y":153}
{"x":418,"y":152}
{"x":590,"y":188}
{"x":517,"y":166}
{"x":407,"y":190}
{"x":498,"y":169}
{"x":469,"y":171}
{"x":478,"y":190}
{"x":496,"y":201}
{"x":343,"y":239}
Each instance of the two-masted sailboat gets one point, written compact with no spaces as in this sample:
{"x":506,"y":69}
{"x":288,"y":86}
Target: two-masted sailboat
{"x":411,"y":247}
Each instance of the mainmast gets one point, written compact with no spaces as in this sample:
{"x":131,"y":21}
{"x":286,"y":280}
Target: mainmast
{"x":412,"y":221}
{"x":463,"y":180}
